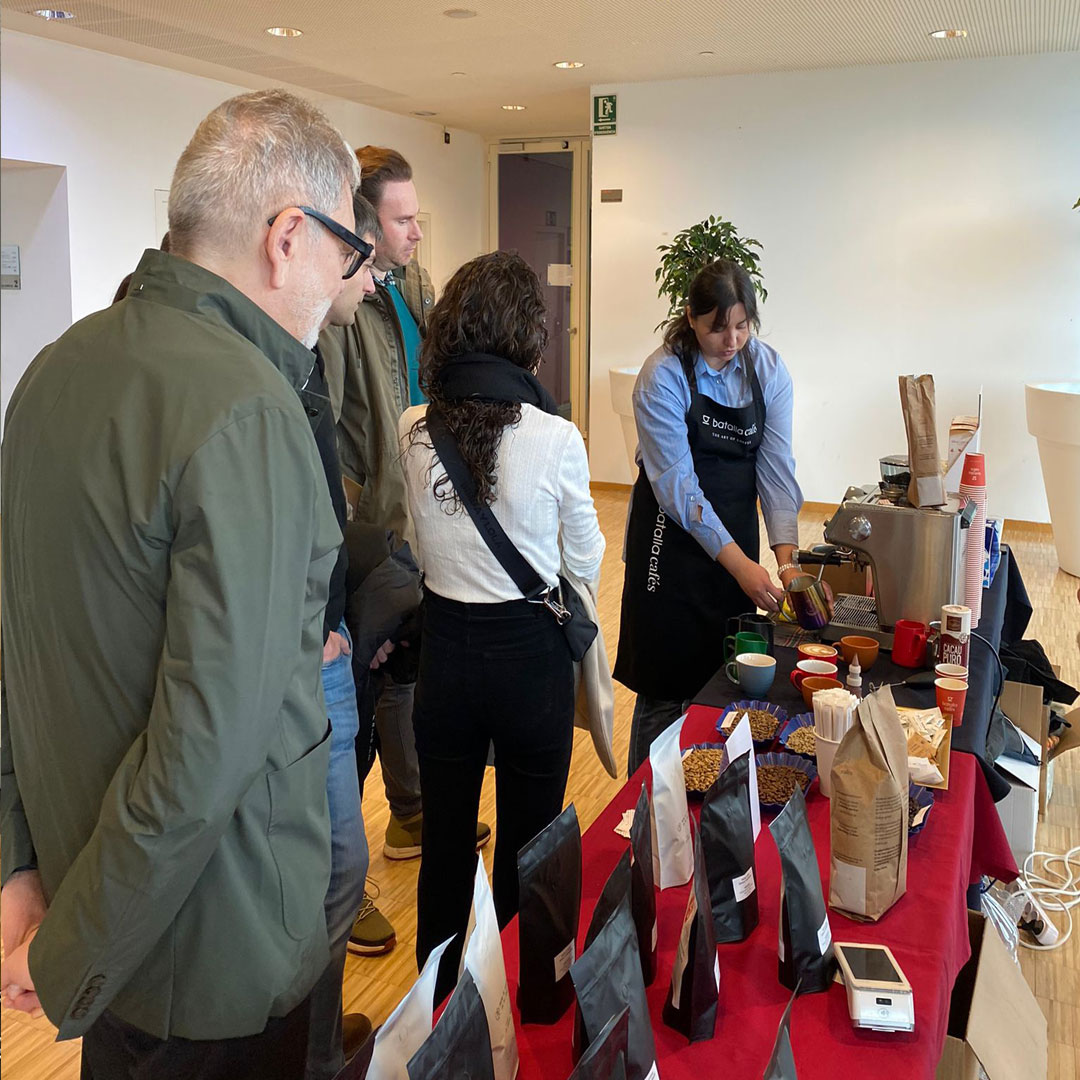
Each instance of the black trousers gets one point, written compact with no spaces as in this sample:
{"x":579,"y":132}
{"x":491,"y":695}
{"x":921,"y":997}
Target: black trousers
{"x":490,"y":674}
{"x":114,"y":1050}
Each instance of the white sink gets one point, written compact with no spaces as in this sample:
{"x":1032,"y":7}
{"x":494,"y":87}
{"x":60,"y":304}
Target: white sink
{"x":622,"y":389}
{"x":1053,"y":417}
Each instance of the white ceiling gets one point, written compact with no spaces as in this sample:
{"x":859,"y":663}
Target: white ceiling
{"x":400,"y":54}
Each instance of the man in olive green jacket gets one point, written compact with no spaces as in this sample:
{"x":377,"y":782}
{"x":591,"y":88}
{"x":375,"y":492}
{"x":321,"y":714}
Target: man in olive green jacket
{"x":168,"y":539}
{"x":369,"y":389}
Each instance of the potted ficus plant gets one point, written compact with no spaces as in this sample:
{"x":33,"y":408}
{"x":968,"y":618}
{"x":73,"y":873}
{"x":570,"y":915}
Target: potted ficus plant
{"x":696,"y":247}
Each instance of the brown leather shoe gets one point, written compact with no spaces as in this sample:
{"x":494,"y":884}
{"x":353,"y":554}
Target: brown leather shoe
{"x":355,"y":1029}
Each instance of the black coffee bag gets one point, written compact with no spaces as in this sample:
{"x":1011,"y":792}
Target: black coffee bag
{"x":616,"y":890}
{"x":782,"y":1063}
{"x":694,"y":994}
{"x":727,"y":837}
{"x":459,"y":1046}
{"x":642,"y":886}
{"x":806,"y":958}
{"x":606,"y":1057}
{"x":607,"y":978}
{"x":549,"y":879}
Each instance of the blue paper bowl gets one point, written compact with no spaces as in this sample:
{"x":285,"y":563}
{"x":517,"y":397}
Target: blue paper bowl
{"x":760,"y":745}
{"x":923,"y":797}
{"x":694,"y":793}
{"x":795,"y":762}
{"x":805,"y":719}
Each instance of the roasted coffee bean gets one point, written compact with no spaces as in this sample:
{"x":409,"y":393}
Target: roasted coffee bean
{"x":912,"y":810}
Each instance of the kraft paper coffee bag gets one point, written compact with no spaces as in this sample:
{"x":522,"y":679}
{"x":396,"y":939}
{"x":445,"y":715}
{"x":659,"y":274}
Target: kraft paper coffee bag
{"x":869,"y":812}
{"x":460,"y":1045}
{"x":606,"y":1057}
{"x":727,"y":839}
{"x":806,"y":960}
{"x":642,"y":887}
{"x":694,"y":994}
{"x":607,"y":977}
{"x":549,"y":878}
{"x":927,"y":487}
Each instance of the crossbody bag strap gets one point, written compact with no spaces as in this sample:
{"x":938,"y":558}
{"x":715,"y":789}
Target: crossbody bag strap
{"x":522,"y":573}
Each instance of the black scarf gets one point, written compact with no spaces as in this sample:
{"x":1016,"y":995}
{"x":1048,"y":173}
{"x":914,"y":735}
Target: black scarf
{"x":491,"y":378}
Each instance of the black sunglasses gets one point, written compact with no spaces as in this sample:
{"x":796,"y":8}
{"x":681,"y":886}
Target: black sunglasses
{"x":362,"y":248}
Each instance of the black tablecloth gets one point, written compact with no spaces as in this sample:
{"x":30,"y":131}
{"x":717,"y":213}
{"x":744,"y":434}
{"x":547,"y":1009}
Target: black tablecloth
{"x":1005,"y":603}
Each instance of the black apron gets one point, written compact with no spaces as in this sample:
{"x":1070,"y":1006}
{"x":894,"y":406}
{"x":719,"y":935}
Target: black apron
{"x":677,"y":600}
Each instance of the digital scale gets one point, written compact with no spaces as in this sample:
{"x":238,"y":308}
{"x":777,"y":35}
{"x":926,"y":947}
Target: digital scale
{"x":878,"y":993}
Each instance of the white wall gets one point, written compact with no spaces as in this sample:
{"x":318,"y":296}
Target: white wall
{"x":119,"y":125}
{"x":914,"y":218}
{"x":34,"y":215}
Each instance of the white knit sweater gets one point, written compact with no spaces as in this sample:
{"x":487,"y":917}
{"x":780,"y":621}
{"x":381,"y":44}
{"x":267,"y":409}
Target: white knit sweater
{"x":542,"y":489}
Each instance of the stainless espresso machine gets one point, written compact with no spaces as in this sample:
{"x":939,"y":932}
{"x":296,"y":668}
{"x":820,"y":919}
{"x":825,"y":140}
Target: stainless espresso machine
{"x":915,"y":556}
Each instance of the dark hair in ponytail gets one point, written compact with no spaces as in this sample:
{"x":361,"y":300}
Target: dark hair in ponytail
{"x":718,"y":287}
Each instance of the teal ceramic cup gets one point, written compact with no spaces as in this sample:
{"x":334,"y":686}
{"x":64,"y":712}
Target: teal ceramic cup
{"x":743,"y":642}
{"x":753,"y":671}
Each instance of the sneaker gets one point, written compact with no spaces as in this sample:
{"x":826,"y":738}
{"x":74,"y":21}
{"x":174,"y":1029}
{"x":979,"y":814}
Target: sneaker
{"x":372,"y":934}
{"x":403,"y":836}
{"x":402,"y":839}
{"x":355,"y":1031}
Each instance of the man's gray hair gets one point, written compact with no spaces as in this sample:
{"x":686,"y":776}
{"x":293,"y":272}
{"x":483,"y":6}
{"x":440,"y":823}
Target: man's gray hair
{"x":252,"y":157}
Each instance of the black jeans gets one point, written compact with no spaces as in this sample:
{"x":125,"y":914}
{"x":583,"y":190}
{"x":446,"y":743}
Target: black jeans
{"x":114,"y":1050}
{"x":489,"y":674}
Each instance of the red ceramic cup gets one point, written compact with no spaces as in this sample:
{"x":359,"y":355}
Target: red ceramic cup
{"x":951,"y":695}
{"x":806,"y":668}
{"x":909,"y":643}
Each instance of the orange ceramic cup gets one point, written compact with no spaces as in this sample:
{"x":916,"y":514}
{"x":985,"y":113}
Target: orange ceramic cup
{"x":951,"y":695}
{"x":813,"y":650}
{"x":866,"y":648}
{"x":816,"y":682}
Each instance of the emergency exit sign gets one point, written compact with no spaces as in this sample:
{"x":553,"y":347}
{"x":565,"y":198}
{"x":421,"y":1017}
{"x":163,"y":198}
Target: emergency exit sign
{"x":603,"y":114}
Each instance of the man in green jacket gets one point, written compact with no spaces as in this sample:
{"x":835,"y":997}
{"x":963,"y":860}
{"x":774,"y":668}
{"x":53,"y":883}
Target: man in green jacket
{"x":168,"y":538}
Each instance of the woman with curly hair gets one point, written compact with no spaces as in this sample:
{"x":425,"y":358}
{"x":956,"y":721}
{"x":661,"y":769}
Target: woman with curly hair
{"x":495,"y":669}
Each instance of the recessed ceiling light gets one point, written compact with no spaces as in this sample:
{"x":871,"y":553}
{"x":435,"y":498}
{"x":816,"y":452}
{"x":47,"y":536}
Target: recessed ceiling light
{"x":949,"y":34}
{"x":569,"y":65}
{"x":706,"y":52}
{"x":514,"y":108}
{"x":54,"y":14}
{"x":459,"y":13}
{"x":284,"y":31}
{"x":423,"y":112}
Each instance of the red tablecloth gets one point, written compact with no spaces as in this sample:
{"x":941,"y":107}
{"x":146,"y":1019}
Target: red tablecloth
{"x":926,"y":930}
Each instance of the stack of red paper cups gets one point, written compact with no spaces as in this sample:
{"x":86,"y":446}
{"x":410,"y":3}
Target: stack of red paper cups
{"x":973,"y":487}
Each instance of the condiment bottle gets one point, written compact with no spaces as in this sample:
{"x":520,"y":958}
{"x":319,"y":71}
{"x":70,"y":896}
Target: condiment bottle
{"x":854,"y":677}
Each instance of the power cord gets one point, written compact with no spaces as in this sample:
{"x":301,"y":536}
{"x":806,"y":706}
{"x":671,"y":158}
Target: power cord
{"x":1051,"y":889}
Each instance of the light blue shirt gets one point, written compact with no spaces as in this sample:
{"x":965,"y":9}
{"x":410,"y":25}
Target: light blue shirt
{"x":661,"y":402}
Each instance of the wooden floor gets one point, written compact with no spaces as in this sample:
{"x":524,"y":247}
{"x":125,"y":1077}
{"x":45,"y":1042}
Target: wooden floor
{"x":376,"y":985}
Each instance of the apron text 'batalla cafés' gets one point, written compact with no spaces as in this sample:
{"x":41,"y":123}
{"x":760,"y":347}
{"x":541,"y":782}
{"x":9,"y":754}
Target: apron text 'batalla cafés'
{"x":676,"y":599}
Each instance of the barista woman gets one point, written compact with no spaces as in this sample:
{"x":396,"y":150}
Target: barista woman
{"x":713,"y":412}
